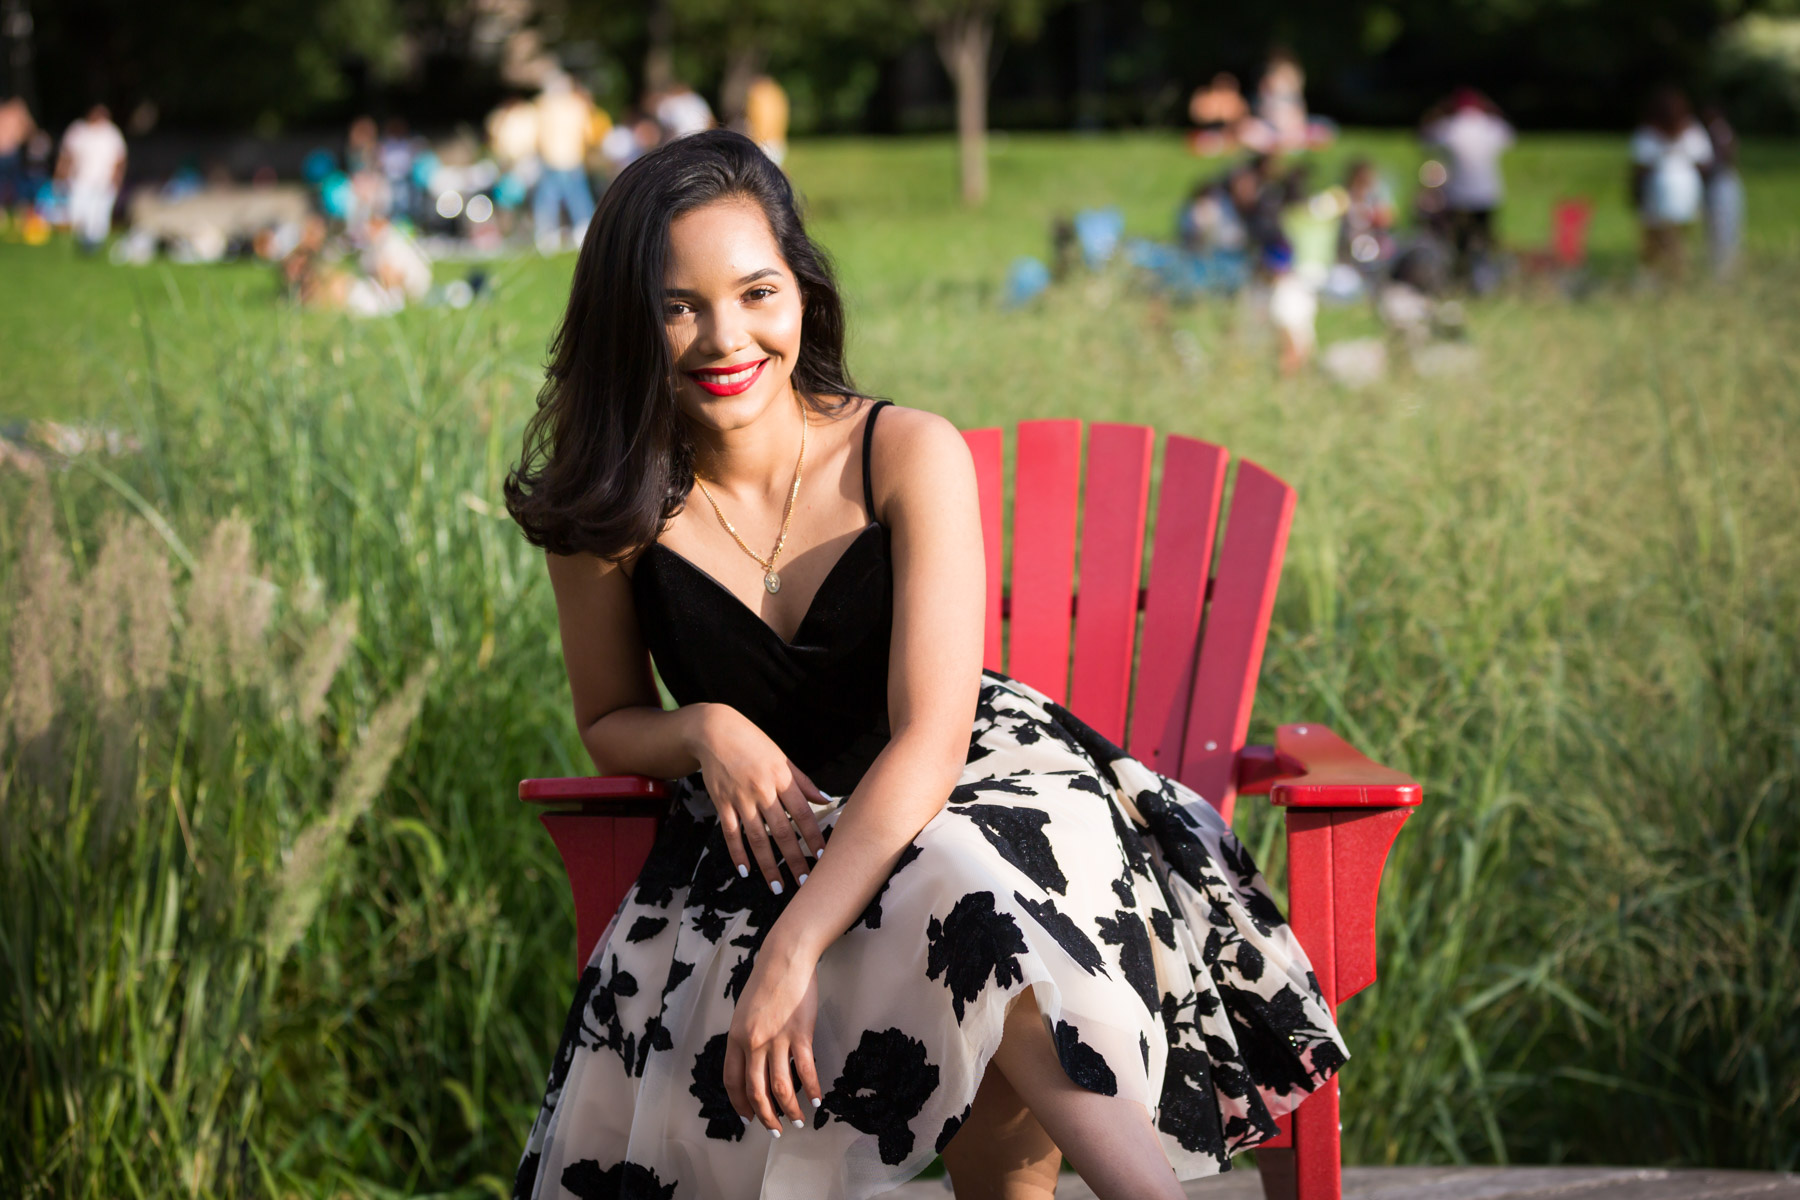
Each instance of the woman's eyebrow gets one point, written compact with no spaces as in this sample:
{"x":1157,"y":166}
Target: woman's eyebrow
{"x":752,"y":277}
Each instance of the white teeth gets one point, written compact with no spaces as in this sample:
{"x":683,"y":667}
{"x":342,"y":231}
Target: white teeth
{"x":734,"y":377}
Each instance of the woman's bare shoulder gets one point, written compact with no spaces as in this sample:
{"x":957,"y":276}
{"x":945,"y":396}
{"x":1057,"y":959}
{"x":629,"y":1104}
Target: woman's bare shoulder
{"x":917,"y":434}
{"x":917,"y":451}
{"x":580,"y":570}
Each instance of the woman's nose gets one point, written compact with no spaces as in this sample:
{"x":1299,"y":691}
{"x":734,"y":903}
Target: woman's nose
{"x":723,"y":334}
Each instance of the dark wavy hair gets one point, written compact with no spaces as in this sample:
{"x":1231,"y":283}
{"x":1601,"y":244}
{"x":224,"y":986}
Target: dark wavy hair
{"x":608,"y":458}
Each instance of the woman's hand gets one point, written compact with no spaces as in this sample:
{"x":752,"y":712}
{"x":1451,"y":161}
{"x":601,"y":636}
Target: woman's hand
{"x":773,"y":1023}
{"x":758,"y":793}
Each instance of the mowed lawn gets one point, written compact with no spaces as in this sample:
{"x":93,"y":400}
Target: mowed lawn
{"x":72,"y":330}
{"x":249,"y":885}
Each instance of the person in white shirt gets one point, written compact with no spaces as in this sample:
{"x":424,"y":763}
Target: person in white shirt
{"x":564,"y":126}
{"x":683,"y":111}
{"x":1472,"y":135}
{"x":1670,"y":154}
{"x":92,"y":164}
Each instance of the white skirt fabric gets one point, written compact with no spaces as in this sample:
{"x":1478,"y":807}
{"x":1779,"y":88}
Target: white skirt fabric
{"x":1162,"y":967}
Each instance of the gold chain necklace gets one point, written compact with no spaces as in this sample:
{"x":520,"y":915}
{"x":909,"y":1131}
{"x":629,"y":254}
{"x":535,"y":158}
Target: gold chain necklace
{"x":771,"y":580}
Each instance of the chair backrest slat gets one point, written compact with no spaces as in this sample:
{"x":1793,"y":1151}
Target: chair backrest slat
{"x":1114,"y":504}
{"x":1047,"y":483}
{"x":1187,"y":514}
{"x":1237,"y":623}
{"x":1203,"y":628}
{"x":985,"y":447}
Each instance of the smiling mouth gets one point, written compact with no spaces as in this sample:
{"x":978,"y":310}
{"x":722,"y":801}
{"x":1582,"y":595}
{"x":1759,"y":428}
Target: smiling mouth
{"x":729,"y":381}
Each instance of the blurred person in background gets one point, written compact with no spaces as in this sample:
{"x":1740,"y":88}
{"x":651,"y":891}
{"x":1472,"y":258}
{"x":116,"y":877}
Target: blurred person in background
{"x":512,"y":133}
{"x":565,"y":119}
{"x":600,"y":127}
{"x":92,"y":165}
{"x":682,"y":111}
{"x":1473,"y":136}
{"x":364,"y":194}
{"x":1365,"y":237}
{"x":1280,"y":122}
{"x":628,"y":140}
{"x":395,"y":154}
{"x":16,"y":128}
{"x":362,"y":145}
{"x":1670,"y":154}
{"x":766,"y":116}
{"x":1217,"y":110}
{"x":1724,"y":194}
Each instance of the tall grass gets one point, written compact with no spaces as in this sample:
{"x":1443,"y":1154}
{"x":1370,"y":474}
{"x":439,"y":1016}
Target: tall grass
{"x":270,"y":922}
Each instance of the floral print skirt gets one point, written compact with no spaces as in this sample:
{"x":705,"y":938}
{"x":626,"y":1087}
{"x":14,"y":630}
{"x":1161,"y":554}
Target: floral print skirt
{"x":1163,"y":969}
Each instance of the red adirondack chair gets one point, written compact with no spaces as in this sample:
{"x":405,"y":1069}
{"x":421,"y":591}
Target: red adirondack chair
{"x":1202,"y":646}
{"x":1567,"y":248}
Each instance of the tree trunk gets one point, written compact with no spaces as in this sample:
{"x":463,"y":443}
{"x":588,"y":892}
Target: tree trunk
{"x":963,"y":42}
{"x":743,"y":63}
{"x":659,"y":57}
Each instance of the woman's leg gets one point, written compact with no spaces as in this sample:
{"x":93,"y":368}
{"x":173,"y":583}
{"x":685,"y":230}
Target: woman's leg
{"x":1001,"y":1152}
{"x":1109,"y":1141}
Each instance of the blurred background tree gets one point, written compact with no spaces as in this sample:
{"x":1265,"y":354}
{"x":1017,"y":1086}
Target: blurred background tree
{"x":905,"y":65}
{"x":963,"y":31}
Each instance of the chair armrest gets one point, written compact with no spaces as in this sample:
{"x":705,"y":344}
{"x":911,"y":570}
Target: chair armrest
{"x":1311,"y":767}
{"x":610,"y":795}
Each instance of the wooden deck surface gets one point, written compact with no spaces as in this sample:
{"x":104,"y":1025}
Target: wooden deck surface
{"x":1475,"y":1183}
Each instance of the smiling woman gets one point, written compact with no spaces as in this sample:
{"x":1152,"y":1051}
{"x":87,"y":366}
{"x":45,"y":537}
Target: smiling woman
{"x":1026,"y":943}
{"x":624,"y":456}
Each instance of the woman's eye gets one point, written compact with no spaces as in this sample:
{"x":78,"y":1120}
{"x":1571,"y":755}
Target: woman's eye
{"x":761,"y":293}
{"x":678,"y":310}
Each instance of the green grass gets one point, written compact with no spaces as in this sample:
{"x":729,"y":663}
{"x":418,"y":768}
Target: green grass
{"x":239,"y":954}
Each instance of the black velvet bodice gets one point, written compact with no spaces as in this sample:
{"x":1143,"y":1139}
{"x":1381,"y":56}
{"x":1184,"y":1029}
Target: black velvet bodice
{"x":821,"y":697}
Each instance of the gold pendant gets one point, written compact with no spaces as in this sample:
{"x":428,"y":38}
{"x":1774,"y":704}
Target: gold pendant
{"x":772,"y":581}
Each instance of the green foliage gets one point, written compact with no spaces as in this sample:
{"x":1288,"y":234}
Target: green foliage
{"x":1020,"y":17}
{"x":265,"y":931}
{"x":1756,"y":63}
{"x":203,"y":63}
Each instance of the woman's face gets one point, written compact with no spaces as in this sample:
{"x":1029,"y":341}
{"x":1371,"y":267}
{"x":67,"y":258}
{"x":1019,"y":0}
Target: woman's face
{"x":732,"y":310}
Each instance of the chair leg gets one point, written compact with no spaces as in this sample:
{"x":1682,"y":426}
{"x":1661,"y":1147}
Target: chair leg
{"x":1276,"y":1170}
{"x":1318,"y":1165}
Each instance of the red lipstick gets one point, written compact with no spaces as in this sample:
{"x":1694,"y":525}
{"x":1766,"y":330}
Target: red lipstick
{"x":729,"y":381}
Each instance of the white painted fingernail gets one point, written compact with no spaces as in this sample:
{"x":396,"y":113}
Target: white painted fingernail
{"x":802,"y":879}
{"x":745,"y":1120}
{"x":743,"y":871}
{"x":776,"y":1132}
{"x":819,"y":853}
{"x":775,"y":886}
{"x":818,"y":1100}
{"x":799,"y":1124}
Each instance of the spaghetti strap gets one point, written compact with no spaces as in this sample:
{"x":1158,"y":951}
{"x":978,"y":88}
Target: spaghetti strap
{"x":868,"y":441}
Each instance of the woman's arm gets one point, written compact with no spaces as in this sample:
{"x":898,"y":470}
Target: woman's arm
{"x":925,"y":493}
{"x":752,"y":785}
{"x":617,"y":711}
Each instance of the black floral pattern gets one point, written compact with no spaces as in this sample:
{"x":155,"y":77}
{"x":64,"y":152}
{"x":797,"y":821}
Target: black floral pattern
{"x":1189,"y":1111}
{"x":1084,"y":1064}
{"x":645,"y":928}
{"x":952,"y":1126}
{"x":885,"y":1083}
{"x":1060,"y":871}
{"x":708,"y":1087}
{"x":973,"y":943}
{"x":1126,"y":930}
{"x":622,"y":1181}
{"x":1018,"y":834}
{"x":1067,"y":933}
